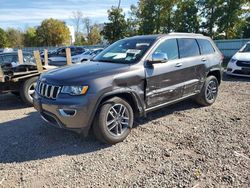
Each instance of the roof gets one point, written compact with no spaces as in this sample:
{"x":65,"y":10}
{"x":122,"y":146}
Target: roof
{"x":157,"y":36}
{"x":14,"y":52}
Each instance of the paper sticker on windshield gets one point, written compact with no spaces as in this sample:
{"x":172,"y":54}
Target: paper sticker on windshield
{"x":133,"y":51}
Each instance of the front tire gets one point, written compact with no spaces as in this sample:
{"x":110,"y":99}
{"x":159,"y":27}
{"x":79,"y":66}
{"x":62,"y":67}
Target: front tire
{"x":209,"y":92}
{"x":27,"y":90}
{"x":114,"y":121}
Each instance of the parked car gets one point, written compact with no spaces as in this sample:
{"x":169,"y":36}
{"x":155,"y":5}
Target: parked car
{"x":61,"y":52}
{"x":239,"y":65}
{"x":88,"y":55}
{"x":9,"y":60}
{"x":78,"y":58}
{"x":130,"y":78}
{"x":12,"y":68}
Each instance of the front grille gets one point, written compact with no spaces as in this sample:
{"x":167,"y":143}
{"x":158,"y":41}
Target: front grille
{"x":243,"y":63}
{"x":244,"y":71}
{"x":47,"y":90}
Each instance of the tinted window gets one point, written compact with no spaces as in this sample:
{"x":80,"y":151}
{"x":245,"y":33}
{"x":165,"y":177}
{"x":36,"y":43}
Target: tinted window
{"x":188,"y":48}
{"x":246,"y":48}
{"x":205,"y":46}
{"x":10,"y":58}
{"x":170,"y":48}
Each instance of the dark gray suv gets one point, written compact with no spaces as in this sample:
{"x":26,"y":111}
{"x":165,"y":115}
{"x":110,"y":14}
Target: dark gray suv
{"x":129,"y":78}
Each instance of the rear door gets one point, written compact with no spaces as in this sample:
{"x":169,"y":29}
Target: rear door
{"x":193,"y":65}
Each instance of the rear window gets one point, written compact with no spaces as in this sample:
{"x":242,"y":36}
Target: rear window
{"x":205,"y":46}
{"x":188,"y":48}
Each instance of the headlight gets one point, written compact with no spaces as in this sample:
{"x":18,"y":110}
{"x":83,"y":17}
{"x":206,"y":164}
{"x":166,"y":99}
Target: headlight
{"x":233,"y":60}
{"x":75,"y":90}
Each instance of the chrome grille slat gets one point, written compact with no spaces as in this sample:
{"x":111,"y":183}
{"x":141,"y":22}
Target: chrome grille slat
{"x":48,"y":90}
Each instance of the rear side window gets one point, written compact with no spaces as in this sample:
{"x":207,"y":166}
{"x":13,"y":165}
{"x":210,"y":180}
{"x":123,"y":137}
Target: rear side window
{"x":188,"y":48}
{"x":168,"y":47}
{"x":205,"y":46}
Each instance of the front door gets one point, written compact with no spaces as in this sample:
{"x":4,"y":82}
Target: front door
{"x":164,"y":80}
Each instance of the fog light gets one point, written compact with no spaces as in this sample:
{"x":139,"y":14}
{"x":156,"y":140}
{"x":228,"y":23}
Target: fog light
{"x":67,"y":112}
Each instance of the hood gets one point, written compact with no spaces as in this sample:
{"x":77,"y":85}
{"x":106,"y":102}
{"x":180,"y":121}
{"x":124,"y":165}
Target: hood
{"x":242,"y":56}
{"x":79,"y":73}
{"x":57,"y":58}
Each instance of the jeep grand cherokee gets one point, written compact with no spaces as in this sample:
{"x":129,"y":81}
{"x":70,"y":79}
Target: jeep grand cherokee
{"x":129,"y":78}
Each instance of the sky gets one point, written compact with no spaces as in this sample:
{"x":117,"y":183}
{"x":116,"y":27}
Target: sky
{"x":26,"y":13}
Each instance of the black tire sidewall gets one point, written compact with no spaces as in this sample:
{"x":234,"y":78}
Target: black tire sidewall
{"x":208,"y":80}
{"x":24,"y":90}
{"x":101,"y":128}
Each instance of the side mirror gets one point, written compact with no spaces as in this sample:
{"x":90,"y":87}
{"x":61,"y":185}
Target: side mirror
{"x":159,"y":58}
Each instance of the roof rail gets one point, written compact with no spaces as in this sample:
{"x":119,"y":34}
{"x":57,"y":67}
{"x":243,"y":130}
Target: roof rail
{"x":179,"y":33}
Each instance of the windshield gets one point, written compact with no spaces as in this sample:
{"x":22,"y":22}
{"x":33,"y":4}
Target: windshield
{"x":246,"y":48}
{"x":125,"y":51}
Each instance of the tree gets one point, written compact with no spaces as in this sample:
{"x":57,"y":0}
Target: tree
{"x":53,"y":32}
{"x":155,"y":16}
{"x":232,"y":18}
{"x":211,"y":11}
{"x":246,"y":29}
{"x":3,"y":38}
{"x":30,"y":37}
{"x":77,"y":18}
{"x":94,"y":36}
{"x":133,"y":21}
{"x":117,"y":26}
{"x":186,"y":16}
{"x":87,"y":24}
{"x":15,"y":38}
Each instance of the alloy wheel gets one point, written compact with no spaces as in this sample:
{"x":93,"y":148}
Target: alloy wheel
{"x":117,"y":120}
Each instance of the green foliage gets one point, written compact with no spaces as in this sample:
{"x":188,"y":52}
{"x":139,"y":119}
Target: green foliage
{"x":186,"y":17}
{"x":231,"y":21}
{"x":246,"y":28}
{"x":53,"y":32}
{"x":155,"y":16}
{"x":15,"y":38}
{"x":30,"y":37}
{"x":117,"y":27}
{"x":94,"y":36}
{"x":3,"y":39}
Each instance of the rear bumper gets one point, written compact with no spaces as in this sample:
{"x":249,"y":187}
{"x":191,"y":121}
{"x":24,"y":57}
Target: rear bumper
{"x":67,"y":112}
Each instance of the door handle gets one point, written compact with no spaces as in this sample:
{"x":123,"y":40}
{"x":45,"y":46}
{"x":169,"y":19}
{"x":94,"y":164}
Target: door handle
{"x":178,"y":65}
{"x":203,"y":59}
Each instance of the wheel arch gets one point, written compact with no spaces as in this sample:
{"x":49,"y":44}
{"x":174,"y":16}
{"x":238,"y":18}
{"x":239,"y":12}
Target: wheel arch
{"x":128,"y":95}
{"x":216,"y":73}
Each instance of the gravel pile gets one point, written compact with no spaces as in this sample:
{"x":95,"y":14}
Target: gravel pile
{"x":179,"y":146}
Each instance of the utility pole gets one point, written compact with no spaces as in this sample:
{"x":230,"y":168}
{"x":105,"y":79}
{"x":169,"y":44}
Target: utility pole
{"x":119,"y":4}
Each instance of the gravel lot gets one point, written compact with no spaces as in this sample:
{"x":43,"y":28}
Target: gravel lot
{"x":180,"y":146}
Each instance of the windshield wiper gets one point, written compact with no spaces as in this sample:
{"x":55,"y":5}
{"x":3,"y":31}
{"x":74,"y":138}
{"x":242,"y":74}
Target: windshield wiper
{"x":106,"y":61}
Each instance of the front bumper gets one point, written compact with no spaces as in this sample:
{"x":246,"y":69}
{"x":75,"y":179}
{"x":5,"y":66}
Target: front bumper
{"x":234,"y":70}
{"x":68,"y":112}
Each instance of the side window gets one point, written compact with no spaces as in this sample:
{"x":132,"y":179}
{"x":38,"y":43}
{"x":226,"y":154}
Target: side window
{"x":170,"y":48}
{"x":188,"y":48}
{"x":1,"y":59}
{"x":8,"y":59}
{"x":62,"y":52}
{"x":205,"y":46}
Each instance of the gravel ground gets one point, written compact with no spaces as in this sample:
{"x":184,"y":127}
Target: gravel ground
{"x":179,"y":146}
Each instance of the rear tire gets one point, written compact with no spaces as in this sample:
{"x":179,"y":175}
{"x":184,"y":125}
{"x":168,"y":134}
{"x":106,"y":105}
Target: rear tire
{"x":27,"y":89}
{"x":113,"y":121}
{"x":209,"y":92}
